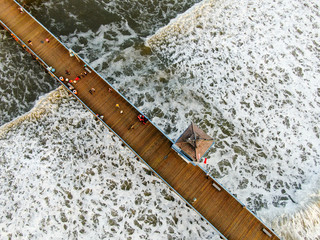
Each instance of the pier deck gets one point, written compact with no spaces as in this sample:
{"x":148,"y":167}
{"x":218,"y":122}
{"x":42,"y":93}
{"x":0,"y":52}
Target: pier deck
{"x":206,"y":196}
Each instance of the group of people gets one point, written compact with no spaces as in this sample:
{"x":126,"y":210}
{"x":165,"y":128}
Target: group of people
{"x":70,"y":82}
{"x":78,"y":76}
{"x":99,"y":116}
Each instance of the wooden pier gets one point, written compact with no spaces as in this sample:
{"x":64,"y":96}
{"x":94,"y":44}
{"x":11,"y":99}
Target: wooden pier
{"x":230,"y":218}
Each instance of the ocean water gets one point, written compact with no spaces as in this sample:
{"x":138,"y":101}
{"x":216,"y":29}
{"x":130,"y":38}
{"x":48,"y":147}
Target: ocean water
{"x":247,"y":72}
{"x":64,"y":176}
{"x":256,"y":63}
{"x":22,"y":81}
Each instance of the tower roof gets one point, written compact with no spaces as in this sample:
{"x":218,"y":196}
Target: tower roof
{"x":194,"y":142}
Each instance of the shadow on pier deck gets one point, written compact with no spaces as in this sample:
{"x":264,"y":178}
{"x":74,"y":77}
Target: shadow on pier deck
{"x":204,"y":194}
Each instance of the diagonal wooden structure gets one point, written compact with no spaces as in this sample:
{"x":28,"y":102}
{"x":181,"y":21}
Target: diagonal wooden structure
{"x":229,"y":217}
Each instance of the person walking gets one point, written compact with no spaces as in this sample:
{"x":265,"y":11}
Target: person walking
{"x":92,"y":90}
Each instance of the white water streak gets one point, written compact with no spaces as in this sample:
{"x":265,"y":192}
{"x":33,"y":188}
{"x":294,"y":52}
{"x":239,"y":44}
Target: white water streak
{"x":258,"y":63}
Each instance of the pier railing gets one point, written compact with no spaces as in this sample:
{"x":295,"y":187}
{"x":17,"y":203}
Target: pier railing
{"x":47,"y":67}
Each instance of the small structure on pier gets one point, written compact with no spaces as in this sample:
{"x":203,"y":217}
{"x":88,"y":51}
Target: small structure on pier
{"x":194,"y":142}
{"x":146,"y":141}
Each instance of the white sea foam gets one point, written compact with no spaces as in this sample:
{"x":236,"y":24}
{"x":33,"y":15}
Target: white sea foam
{"x":257,"y":63}
{"x":64,"y":176}
{"x":70,"y":181}
{"x":308,"y":216}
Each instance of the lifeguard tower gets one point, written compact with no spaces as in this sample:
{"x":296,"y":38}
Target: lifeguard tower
{"x":194,"y":143}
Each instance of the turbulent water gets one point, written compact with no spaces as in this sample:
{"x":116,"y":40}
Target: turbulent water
{"x":247,"y":72}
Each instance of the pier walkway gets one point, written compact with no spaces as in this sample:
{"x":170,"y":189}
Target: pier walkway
{"x":229,"y":217}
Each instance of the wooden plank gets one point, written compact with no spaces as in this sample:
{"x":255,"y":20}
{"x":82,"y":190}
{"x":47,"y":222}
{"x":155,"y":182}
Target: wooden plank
{"x":237,"y":229}
{"x":159,"y":155}
{"x":214,"y":203}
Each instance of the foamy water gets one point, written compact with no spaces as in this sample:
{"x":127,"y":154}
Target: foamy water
{"x":64,"y":176}
{"x":258,"y":64}
{"x":246,"y":72}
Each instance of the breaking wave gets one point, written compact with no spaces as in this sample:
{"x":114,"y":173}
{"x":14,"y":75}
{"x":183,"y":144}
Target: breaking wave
{"x":257,"y":63}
